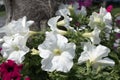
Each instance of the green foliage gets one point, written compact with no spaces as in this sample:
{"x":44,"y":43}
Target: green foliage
{"x":32,"y":63}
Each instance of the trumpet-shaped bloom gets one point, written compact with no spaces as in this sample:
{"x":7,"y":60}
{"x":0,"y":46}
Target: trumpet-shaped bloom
{"x":95,"y":55}
{"x":57,"y":53}
{"x":14,"y":47}
{"x":102,"y":20}
{"x":94,"y":35}
{"x":20,"y":26}
{"x":53,"y":25}
{"x":75,"y":7}
{"x":65,"y":12}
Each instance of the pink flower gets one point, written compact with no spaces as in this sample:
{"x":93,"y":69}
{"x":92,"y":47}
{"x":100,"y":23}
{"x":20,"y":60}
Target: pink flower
{"x":27,"y":78}
{"x":9,"y":70}
{"x":109,"y":8}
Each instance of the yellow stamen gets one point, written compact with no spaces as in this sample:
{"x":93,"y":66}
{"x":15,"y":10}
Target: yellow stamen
{"x":34,"y":51}
{"x":57,"y":51}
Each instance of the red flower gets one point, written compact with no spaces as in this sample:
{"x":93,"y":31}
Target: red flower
{"x":10,"y":70}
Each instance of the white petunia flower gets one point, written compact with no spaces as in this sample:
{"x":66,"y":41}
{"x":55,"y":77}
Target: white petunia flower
{"x":66,"y":21}
{"x":57,"y":53}
{"x":101,"y":20}
{"x":20,"y":26}
{"x":53,"y":22}
{"x":14,"y":47}
{"x":94,"y":35}
{"x":74,"y":6}
{"x":96,"y":55}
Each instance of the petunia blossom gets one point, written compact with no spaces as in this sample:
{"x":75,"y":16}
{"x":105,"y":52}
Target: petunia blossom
{"x":9,"y":70}
{"x":57,"y":53}
{"x":53,"y":25}
{"x":96,"y":55}
{"x":20,"y":26}
{"x":102,"y":20}
{"x":14,"y":47}
{"x":94,"y":35}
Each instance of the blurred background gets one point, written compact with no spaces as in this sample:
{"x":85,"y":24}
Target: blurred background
{"x":96,"y":4}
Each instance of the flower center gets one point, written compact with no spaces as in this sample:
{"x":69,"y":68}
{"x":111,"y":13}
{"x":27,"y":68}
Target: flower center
{"x":15,"y":47}
{"x":61,"y":23}
{"x":92,"y":59}
{"x":57,"y":51}
{"x":97,"y":20}
{"x":10,"y":69}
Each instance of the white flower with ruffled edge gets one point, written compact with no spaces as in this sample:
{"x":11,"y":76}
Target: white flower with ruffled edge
{"x":14,"y":47}
{"x":66,"y":21}
{"x":96,"y":55}
{"x":57,"y":53}
{"x":75,"y":7}
{"x":94,"y":35}
{"x":53,"y":23}
{"x":102,"y":20}
{"x":20,"y":26}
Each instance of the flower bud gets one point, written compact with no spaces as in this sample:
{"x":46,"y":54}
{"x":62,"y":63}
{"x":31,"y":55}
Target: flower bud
{"x":61,"y":23}
{"x":87,"y":34}
{"x":34,"y":51}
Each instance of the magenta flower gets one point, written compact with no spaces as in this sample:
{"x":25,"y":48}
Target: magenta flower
{"x":9,"y":70}
{"x":86,"y":3}
{"x":27,"y":78}
{"x":109,"y":8}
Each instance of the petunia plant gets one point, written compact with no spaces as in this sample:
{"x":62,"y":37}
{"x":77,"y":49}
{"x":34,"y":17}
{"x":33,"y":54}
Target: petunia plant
{"x":76,"y":46}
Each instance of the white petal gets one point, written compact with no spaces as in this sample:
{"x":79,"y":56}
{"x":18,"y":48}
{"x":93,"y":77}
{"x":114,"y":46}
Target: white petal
{"x":48,"y":45}
{"x":84,"y":57}
{"x":61,"y":40}
{"x":101,"y":51}
{"x":17,"y":56}
{"x":62,"y":64}
{"x":63,"y":12}
{"x":102,"y":11}
{"x":69,"y":50}
{"x":53,"y":22}
{"x":106,"y":61}
{"x":88,"y":47}
{"x":24,"y":21}
{"x":95,"y":39}
{"x":44,"y":53}
{"x":47,"y":64}
{"x":108,"y":16}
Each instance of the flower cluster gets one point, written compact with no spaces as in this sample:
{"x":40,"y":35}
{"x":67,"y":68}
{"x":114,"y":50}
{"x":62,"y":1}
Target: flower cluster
{"x":75,"y":38}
